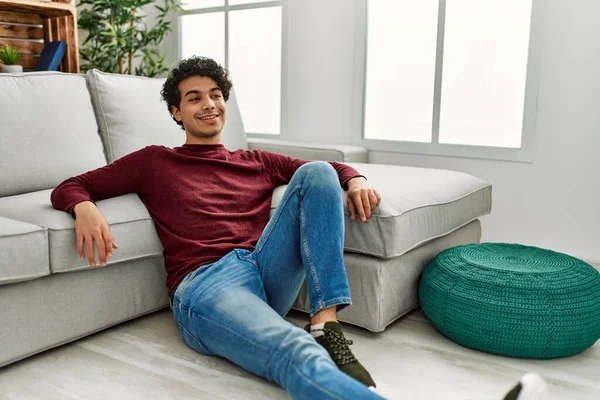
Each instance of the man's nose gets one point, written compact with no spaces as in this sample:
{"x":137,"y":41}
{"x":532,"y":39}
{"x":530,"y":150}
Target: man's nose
{"x":208,"y":104}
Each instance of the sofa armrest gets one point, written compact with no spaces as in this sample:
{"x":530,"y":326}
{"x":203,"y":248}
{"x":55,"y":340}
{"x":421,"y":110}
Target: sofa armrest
{"x":311,"y":151}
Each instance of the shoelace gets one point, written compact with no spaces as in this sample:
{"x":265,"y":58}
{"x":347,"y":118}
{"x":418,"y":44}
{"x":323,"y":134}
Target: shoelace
{"x":338,"y":347}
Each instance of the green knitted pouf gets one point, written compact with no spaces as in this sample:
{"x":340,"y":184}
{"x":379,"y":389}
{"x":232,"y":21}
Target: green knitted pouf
{"x":513,"y":300}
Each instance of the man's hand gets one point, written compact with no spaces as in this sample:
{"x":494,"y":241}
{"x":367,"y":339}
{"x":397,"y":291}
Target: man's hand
{"x":91,"y":226}
{"x":361,"y":198}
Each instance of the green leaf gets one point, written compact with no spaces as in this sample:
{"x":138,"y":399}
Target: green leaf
{"x":112,"y":28}
{"x":9,"y":55}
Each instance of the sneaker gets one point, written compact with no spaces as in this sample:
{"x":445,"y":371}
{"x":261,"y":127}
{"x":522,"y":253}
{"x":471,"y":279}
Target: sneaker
{"x":530,"y":387}
{"x":333,"y":340}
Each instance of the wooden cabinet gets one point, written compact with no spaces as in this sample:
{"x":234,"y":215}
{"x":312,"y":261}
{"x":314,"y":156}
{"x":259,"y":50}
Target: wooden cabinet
{"x":27,"y":24}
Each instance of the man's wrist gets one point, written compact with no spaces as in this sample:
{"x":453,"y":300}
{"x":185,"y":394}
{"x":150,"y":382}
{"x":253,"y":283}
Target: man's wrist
{"x":82,"y":206}
{"x":355,"y":180}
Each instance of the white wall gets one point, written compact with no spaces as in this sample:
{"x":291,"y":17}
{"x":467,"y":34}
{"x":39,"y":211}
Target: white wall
{"x":320,"y":70}
{"x":552,"y":202}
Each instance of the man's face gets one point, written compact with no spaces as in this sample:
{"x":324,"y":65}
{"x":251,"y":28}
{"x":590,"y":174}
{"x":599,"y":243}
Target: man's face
{"x":202,"y":110}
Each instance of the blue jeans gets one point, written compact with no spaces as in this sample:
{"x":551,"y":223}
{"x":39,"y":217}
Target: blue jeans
{"x":234,"y":307}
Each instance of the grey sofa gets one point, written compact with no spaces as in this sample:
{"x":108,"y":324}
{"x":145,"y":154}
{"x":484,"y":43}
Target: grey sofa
{"x":54,"y":126}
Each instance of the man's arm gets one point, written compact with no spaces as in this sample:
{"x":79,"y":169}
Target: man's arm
{"x":361,"y":197}
{"x":77,"y":195}
{"x":120,"y":177}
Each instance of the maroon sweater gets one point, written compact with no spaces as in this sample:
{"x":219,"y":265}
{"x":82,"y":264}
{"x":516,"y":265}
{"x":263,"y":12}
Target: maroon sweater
{"x":204,"y":199}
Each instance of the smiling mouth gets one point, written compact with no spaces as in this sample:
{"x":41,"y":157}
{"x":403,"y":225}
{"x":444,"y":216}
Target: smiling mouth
{"x":208,"y":117}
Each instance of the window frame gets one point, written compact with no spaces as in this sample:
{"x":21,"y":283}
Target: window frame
{"x":523,"y":154}
{"x":226,"y":8}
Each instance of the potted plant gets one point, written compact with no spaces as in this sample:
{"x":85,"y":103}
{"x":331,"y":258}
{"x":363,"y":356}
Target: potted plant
{"x":118,"y":39}
{"x":9,"y":58}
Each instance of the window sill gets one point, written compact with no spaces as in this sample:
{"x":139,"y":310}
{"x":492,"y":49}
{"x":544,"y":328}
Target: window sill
{"x":524,"y":155}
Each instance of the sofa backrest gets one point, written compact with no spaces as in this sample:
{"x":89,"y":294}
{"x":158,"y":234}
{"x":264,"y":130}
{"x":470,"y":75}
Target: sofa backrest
{"x":132,"y":115}
{"x":48,"y":131}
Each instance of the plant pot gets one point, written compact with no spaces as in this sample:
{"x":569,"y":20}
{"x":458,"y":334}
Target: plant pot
{"x":11,"y":68}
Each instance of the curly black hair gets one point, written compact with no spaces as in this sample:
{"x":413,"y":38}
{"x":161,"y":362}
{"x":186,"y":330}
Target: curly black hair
{"x":194,"y":66}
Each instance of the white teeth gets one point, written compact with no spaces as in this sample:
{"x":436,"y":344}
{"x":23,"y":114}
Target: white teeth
{"x":209,"y":117}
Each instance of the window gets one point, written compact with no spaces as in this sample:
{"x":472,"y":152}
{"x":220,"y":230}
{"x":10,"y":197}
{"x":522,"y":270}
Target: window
{"x":244,"y":36}
{"x":449,"y":77}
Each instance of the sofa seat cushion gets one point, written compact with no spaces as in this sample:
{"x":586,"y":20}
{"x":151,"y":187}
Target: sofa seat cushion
{"x":417,"y":206}
{"x":24,"y":251}
{"x":48,"y":129}
{"x":129,"y":220}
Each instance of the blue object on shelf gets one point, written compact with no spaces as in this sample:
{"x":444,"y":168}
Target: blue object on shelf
{"x":51,"y":56}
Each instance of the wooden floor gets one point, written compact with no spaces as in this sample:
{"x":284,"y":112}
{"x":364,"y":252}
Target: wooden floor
{"x":145,"y":359}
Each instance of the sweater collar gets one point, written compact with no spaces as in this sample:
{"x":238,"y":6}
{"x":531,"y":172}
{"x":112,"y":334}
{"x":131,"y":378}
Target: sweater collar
{"x":202,"y":148}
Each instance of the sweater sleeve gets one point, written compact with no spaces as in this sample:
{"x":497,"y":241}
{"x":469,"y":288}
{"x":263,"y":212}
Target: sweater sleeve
{"x":281,"y":168}
{"x":122,"y":176}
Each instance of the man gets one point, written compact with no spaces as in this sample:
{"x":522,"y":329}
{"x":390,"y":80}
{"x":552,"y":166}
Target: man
{"x":230,"y":281}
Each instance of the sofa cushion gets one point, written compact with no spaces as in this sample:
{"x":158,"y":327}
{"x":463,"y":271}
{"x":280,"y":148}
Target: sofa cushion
{"x":48,"y":124}
{"x":132,"y":115}
{"x":417,"y":206}
{"x":24,"y":251}
{"x":130,"y":223}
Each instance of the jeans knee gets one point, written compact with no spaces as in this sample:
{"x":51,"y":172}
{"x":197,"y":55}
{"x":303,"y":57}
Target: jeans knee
{"x":321,"y":167}
{"x":319,"y":171}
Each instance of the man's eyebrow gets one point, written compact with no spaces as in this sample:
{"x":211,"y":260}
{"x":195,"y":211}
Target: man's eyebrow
{"x":195,"y":91}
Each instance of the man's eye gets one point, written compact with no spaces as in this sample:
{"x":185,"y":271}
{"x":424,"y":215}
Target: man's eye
{"x":195,"y":99}
{"x":217,"y":96}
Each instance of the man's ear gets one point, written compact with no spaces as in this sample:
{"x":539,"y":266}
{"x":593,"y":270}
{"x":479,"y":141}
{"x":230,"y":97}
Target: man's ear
{"x":176,"y":113}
